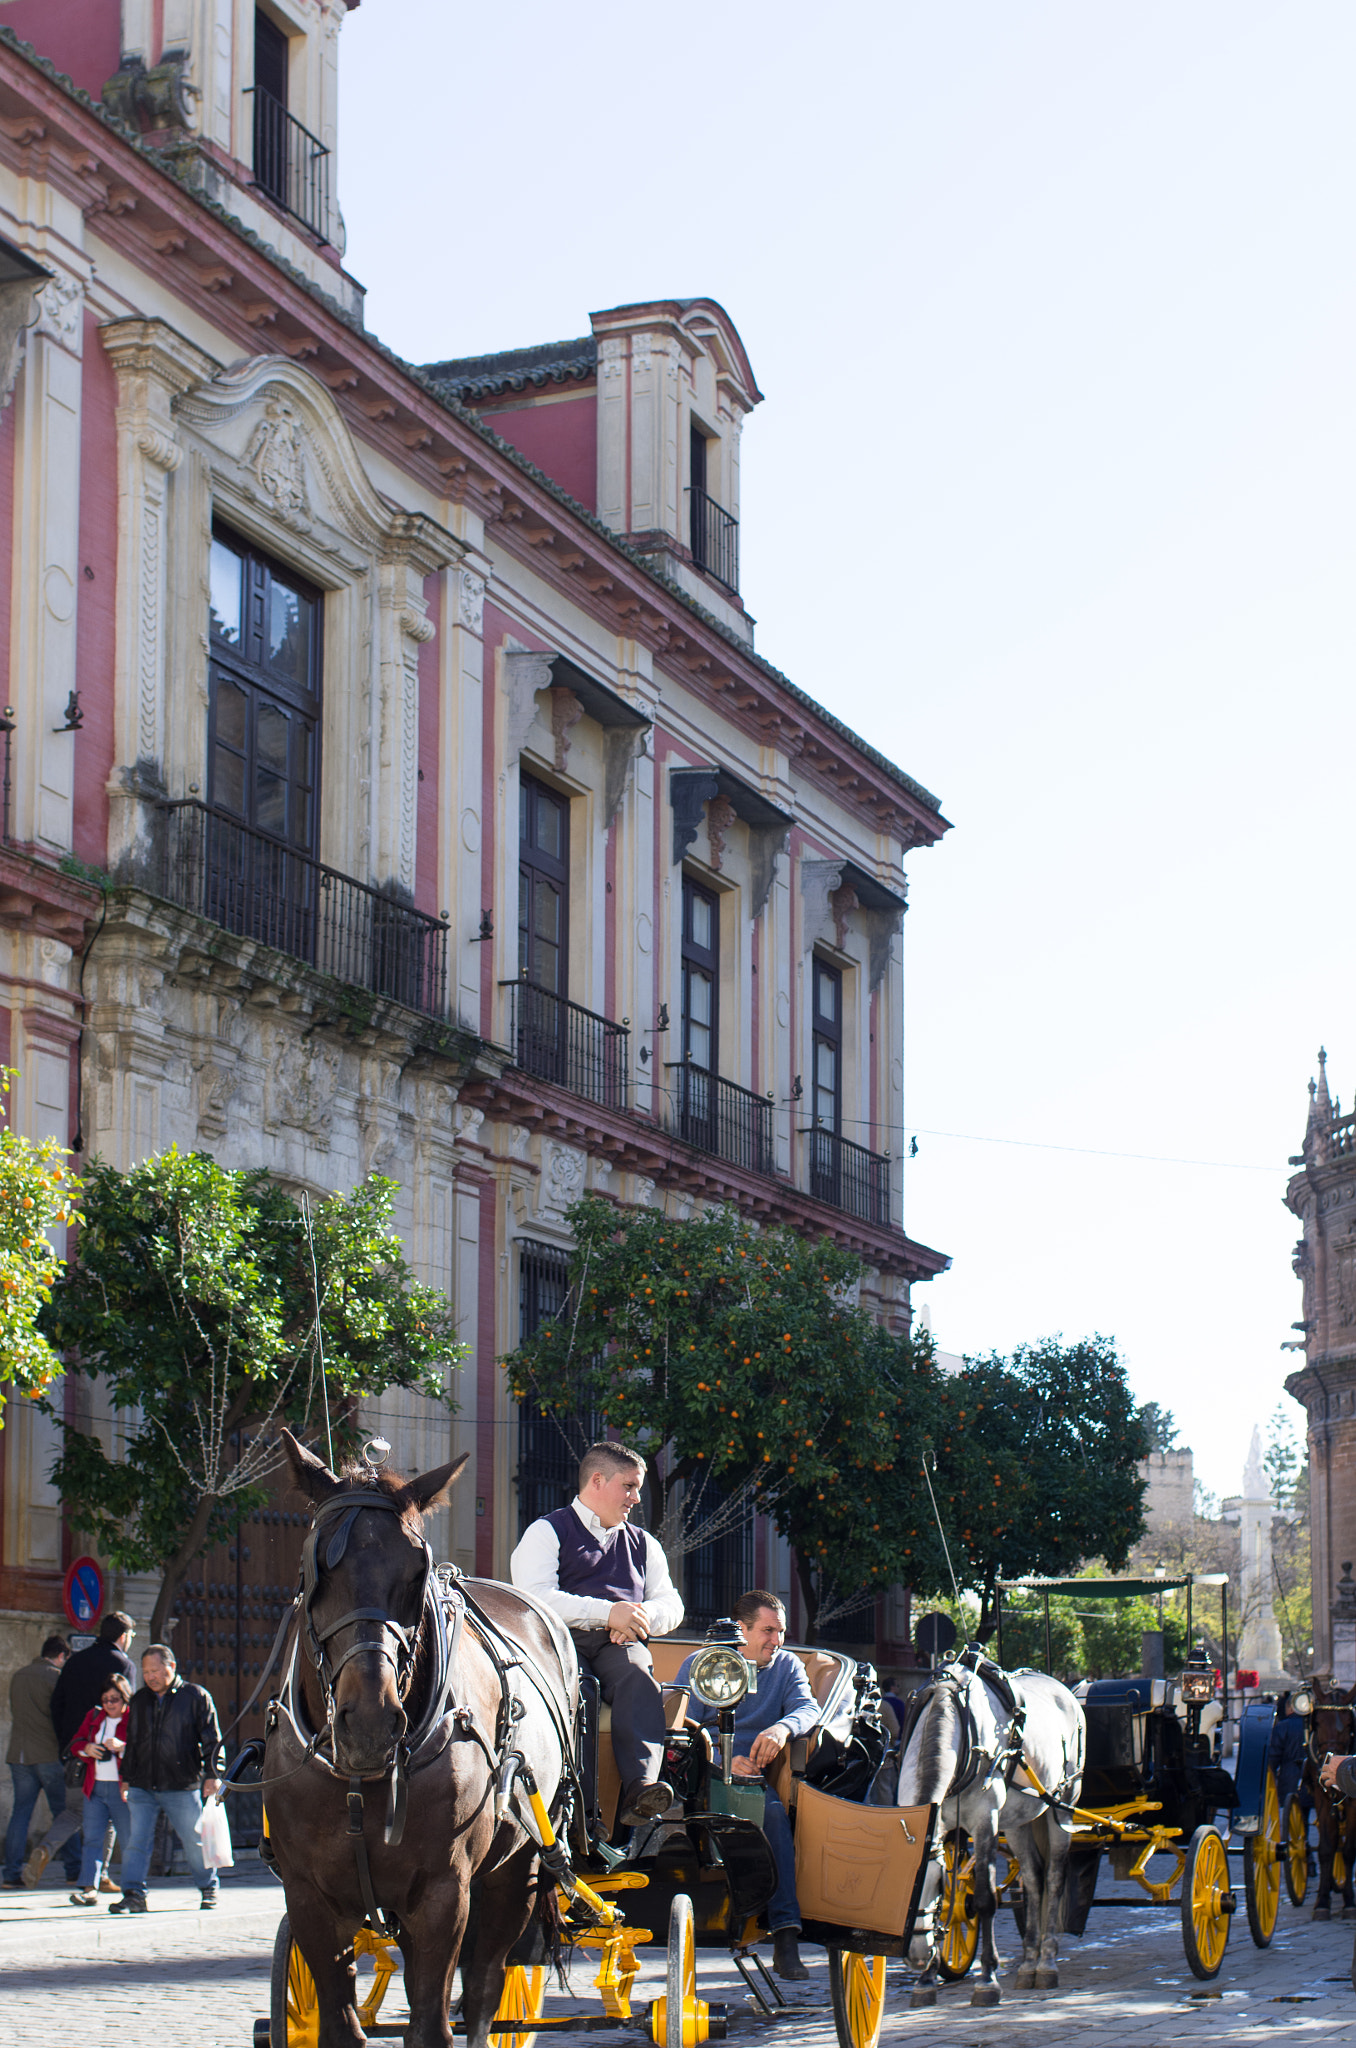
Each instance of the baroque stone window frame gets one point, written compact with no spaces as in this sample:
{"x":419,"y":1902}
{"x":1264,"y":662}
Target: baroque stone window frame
{"x":263,"y":448}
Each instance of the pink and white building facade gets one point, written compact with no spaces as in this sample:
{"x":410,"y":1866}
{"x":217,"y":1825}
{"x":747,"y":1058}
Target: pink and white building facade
{"x":454,"y":827}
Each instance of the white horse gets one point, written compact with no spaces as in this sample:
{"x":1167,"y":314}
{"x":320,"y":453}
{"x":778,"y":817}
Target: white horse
{"x":976,"y":1744}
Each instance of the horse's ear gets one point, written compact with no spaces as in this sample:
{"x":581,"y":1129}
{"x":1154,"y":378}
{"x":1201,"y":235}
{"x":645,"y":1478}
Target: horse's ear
{"x":310,"y":1475}
{"x":430,"y":1489}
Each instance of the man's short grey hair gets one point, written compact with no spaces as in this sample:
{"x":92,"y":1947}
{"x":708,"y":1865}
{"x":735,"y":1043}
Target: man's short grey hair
{"x":163,"y":1652}
{"x":609,"y":1458}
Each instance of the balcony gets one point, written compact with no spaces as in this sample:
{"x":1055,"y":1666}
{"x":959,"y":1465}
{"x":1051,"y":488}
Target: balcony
{"x":714,"y":538}
{"x":720,"y":1117}
{"x":561,"y":1041}
{"x":849,"y":1177}
{"x":261,"y":889}
{"x":291,"y":165}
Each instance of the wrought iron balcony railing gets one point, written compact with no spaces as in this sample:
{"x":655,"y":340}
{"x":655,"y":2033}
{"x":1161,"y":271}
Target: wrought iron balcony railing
{"x":720,"y":1117}
{"x":714,"y":538}
{"x":262,"y":889}
{"x":562,"y":1042}
{"x":290,"y":164}
{"x":849,"y":1176}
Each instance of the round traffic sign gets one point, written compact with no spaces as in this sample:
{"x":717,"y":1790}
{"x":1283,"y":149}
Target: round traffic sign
{"x":83,"y":1592}
{"x":934,"y":1635}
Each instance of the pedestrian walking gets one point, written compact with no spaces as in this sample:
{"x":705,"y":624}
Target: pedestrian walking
{"x":173,"y":1758}
{"x":81,"y":1684}
{"x":101,"y":1740}
{"x":34,"y":1759}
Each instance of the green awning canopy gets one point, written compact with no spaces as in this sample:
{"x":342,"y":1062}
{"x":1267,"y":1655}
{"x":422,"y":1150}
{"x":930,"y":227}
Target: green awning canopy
{"x":1112,"y":1589}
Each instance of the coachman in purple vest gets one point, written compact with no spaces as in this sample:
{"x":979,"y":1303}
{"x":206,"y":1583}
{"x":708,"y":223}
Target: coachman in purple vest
{"x":609,"y":1583}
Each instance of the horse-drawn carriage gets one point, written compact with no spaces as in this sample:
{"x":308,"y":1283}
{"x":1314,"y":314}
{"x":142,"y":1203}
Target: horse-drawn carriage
{"x":476,"y":1726}
{"x":1153,"y":1786}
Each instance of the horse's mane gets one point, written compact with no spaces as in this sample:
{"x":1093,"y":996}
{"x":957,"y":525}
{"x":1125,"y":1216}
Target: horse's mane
{"x":930,"y":1757}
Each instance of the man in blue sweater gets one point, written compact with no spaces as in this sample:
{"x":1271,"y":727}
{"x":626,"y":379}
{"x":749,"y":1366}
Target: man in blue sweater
{"x":783,"y":1706}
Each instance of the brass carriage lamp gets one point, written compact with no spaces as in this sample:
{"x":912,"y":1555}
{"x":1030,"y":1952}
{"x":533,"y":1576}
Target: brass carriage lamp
{"x":720,"y":1678}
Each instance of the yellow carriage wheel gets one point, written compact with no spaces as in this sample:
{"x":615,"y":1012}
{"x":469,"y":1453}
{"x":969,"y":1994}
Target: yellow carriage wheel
{"x":1207,"y":1903}
{"x":680,"y":2019}
{"x":957,"y":1927}
{"x":294,"y":2010}
{"x":1295,"y":1849}
{"x":857,"y":1993}
{"x":523,"y":1999}
{"x":1262,"y":1867}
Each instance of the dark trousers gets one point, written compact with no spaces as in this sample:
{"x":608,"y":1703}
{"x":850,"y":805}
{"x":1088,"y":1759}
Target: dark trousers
{"x":626,"y":1675}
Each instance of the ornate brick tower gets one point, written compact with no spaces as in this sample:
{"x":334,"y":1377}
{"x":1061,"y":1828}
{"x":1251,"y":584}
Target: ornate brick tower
{"x":1323,"y":1195}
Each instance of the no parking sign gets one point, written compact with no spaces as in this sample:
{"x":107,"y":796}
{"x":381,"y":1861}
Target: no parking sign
{"x":83,"y":1592}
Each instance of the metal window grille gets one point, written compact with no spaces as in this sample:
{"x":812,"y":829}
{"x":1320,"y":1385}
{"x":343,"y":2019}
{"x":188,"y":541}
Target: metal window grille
{"x":720,"y":1117}
{"x":263,"y":889}
{"x":849,"y":1177}
{"x":714,"y":538}
{"x":549,"y":1446}
{"x":290,"y":164}
{"x":720,"y":1571}
{"x":563,"y":1042}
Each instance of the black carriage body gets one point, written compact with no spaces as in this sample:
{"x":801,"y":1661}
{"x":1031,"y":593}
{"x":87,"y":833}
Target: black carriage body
{"x":1139,"y":1747}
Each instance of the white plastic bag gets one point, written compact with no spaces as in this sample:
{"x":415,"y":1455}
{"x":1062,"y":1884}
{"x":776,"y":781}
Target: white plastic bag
{"x":214,"y":1832}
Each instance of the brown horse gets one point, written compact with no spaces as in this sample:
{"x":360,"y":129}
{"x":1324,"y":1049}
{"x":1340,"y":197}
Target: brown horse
{"x":1332,"y":1729}
{"x":388,"y":1772}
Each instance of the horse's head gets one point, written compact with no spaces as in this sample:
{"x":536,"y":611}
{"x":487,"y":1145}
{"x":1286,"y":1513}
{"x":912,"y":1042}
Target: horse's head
{"x":365,"y":1571}
{"x":1332,"y":1723}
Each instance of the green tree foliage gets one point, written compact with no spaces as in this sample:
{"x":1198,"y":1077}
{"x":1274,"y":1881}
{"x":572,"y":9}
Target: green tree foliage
{"x":1284,"y":1458}
{"x":193,"y":1297}
{"x":38,"y":1193}
{"x":741,"y":1352}
{"x":1036,"y":1464}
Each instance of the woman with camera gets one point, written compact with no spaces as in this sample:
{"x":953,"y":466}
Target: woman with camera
{"x":101,"y":1739}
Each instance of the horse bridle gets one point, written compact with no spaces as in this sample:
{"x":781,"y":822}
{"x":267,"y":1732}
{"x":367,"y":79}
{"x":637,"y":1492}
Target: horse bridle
{"x":345,"y":1509}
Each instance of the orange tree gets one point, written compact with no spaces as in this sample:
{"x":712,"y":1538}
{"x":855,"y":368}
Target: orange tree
{"x":1037,"y":1464}
{"x":204,"y":1304}
{"x":740,"y":1352}
{"x":37,"y":1194}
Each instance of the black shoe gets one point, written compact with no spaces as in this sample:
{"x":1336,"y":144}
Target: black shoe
{"x":208,"y":1902}
{"x":130,"y":1902}
{"x":786,"y":1955}
{"x":643,"y":1802}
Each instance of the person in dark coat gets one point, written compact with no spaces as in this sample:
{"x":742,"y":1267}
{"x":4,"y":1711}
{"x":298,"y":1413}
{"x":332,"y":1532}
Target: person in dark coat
{"x":34,"y":1760}
{"x":81,"y":1684}
{"x":173,"y":1760}
{"x":1288,"y":1748}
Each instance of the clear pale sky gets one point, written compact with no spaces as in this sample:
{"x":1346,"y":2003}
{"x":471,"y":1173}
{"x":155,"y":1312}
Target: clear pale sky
{"x":1052,"y":497}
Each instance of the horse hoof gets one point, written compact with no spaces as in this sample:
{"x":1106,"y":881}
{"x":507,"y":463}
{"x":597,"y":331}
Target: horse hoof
{"x":1321,"y":1913}
{"x":1047,"y":1980}
{"x":985,"y":1994}
{"x":1026,"y":1978}
{"x":1349,"y":1912}
{"x":921,"y":1996}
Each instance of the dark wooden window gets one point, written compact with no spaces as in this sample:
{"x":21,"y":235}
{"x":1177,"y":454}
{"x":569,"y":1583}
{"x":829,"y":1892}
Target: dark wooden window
{"x":270,"y":57}
{"x":264,"y":722}
{"x":720,"y":1571}
{"x":543,"y":887}
{"x":700,"y":1018}
{"x":698,"y":460}
{"x":827,"y":1106}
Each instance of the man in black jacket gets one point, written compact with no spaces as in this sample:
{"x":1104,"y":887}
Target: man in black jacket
{"x":82,"y":1681}
{"x":173,"y":1748}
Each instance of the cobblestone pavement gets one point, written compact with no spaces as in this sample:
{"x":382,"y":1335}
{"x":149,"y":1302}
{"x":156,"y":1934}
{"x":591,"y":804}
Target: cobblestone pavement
{"x":178,"y":1978}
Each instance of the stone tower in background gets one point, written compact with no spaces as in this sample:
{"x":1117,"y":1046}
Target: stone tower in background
{"x":1322,"y":1193}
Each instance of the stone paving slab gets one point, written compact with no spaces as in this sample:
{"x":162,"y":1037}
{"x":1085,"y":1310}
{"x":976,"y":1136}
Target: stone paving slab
{"x":180,"y":1978}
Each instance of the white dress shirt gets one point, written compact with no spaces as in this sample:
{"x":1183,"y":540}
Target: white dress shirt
{"x":535,"y":1567}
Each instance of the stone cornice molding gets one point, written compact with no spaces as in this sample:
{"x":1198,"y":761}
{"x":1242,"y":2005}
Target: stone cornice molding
{"x":297,"y":407}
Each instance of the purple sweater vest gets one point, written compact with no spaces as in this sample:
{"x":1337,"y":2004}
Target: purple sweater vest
{"x":617,"y":1573}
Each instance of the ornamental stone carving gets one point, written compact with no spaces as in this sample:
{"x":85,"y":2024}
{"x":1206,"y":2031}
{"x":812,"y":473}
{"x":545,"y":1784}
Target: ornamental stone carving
{"x":61,"y":302}
{"x":562,"y":1178}
{"x":471,"y":601}
{"x":276,"y":460}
